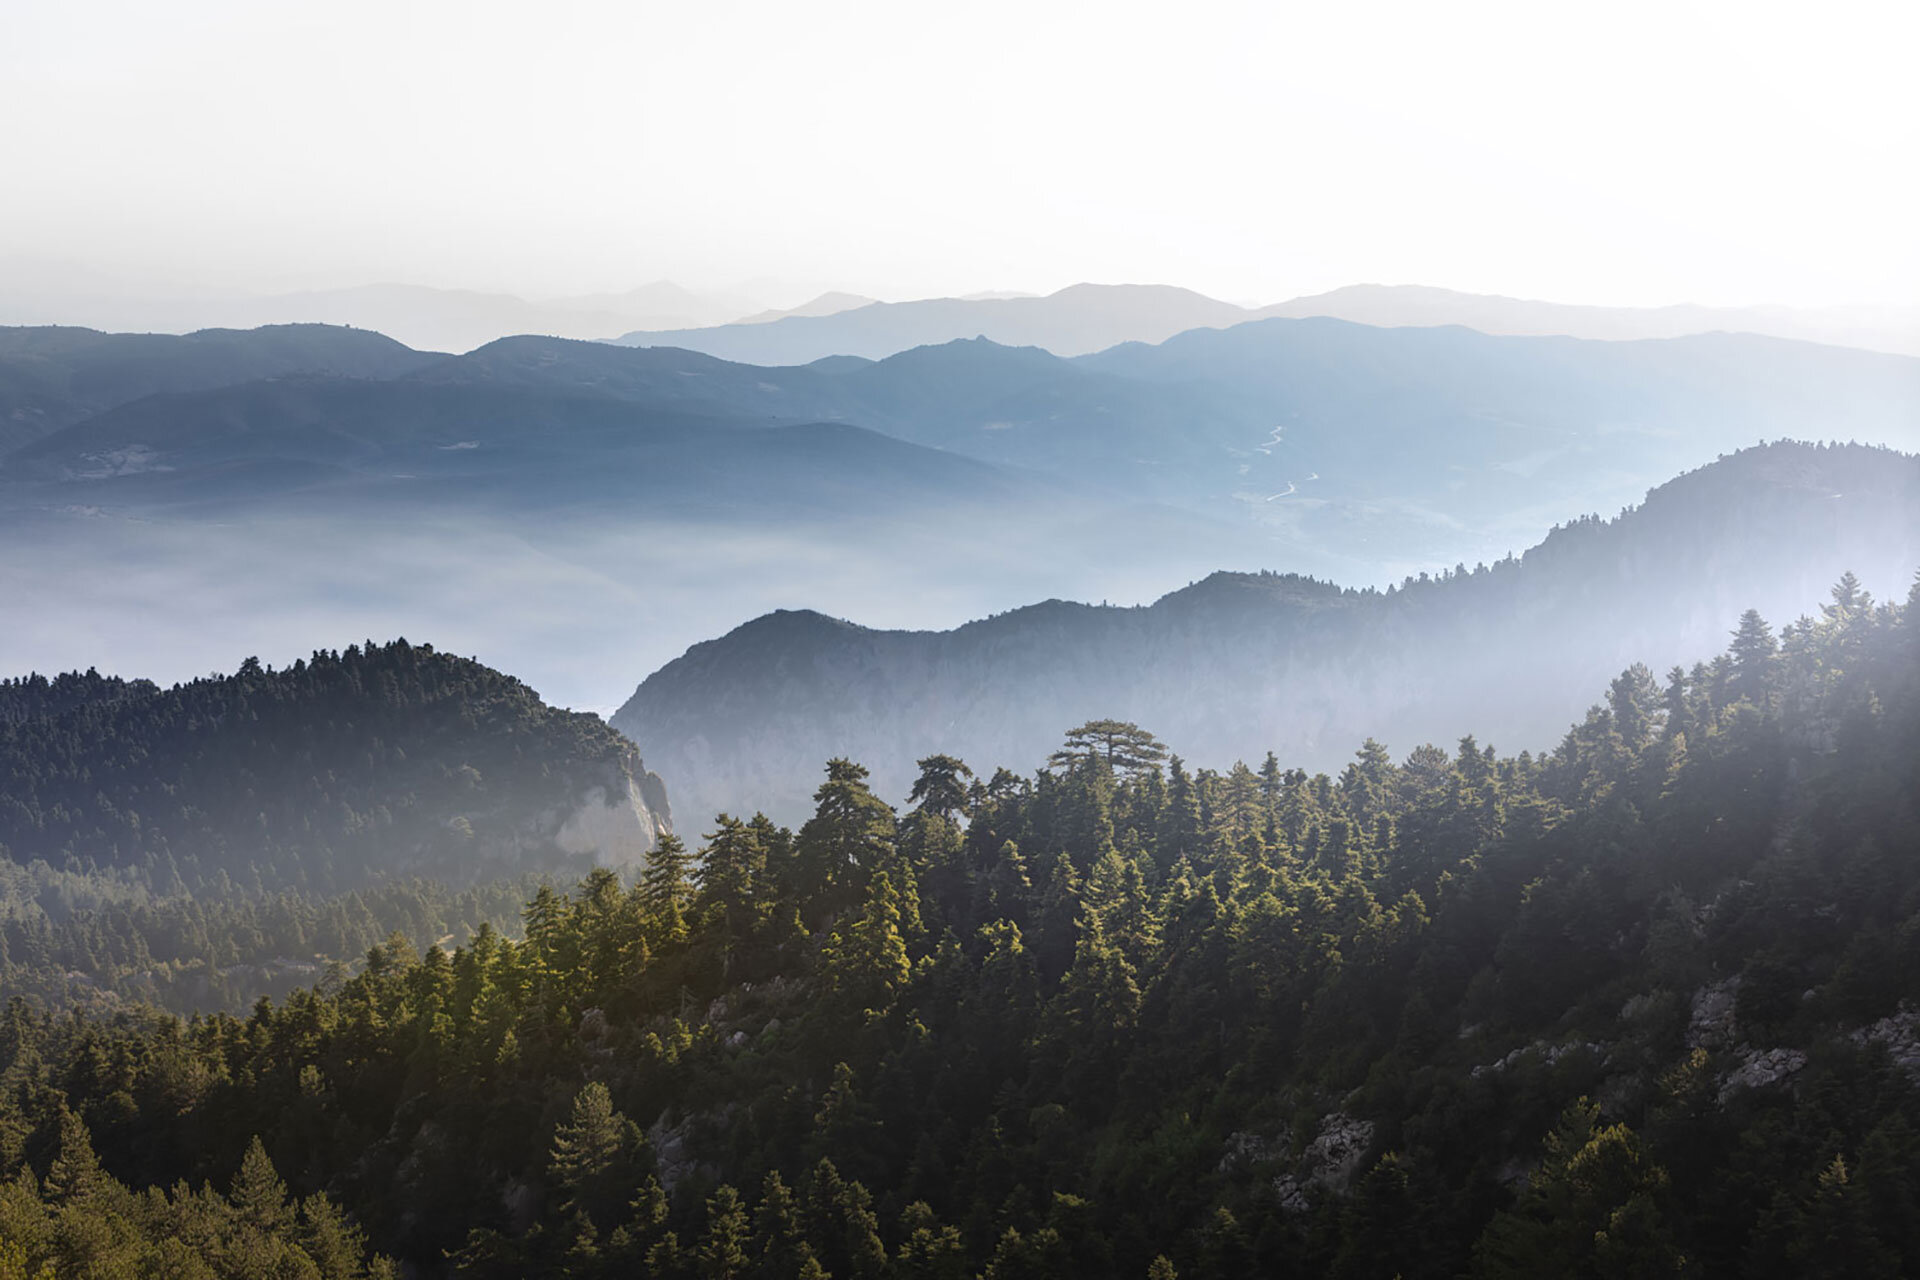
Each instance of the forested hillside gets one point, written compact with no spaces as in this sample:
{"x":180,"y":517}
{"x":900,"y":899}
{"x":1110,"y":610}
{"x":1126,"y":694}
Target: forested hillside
{"x":1638,"y":1005}
{"x":1242,"y":663}
{"x":340,"y":770}
{"x":200,"y":846}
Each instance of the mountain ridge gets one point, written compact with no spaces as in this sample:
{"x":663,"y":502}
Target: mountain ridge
{"x":1247,"y":661}
{"x":1083,"y":318}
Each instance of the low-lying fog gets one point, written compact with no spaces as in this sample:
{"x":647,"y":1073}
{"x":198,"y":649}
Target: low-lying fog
{"x":580,"y":612}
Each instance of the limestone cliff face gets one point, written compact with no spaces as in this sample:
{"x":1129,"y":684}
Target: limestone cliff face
{"x":608,"y":810}
{"x":619,"y":821}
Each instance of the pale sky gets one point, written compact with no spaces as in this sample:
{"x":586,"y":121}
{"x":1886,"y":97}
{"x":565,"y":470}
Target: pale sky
{"x":1609,"y":153}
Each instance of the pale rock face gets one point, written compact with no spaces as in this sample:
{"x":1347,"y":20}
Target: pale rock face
{"x":1711,"y":1024}
{"x":1547,"y":1053}
{"x":1330,"y":1161}
{"x":1762,"y":1069}
{"x":1900,"y":1033}
{"x":1333,"y":1158}
{"x":617,"y":829}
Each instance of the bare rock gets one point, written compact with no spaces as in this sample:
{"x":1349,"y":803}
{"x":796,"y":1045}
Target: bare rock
{"x":1762,"y":1069}
{"x":1334,"y":1156}
{"x":1711,"y":1024}
{"x":1900,"y":1033}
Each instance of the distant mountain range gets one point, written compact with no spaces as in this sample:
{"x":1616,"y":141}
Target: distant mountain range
{"x":663,"y":495}
{"x":53,"y":377}
{"x":1076,"y":320}
{"x":1874,"y":328}
{"x":1086,"y":318}
{"x":1242,"y":663}
{"x":422,"y":317}
{"x":1347,"y":448}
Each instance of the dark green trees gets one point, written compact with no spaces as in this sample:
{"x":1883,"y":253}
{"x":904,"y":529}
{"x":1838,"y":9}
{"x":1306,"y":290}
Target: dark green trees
{"x":1120,"y":1018}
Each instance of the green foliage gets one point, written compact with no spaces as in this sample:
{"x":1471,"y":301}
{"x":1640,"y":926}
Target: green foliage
{"x":1105,"y":1021}
{"x":326,"y":774}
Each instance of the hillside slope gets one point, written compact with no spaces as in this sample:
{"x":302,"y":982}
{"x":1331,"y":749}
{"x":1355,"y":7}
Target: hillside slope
{"x":1242,"y":663}
{"x":351,"y":768}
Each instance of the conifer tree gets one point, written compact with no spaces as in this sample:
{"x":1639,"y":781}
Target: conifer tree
{"x":850,"y":834}
{"x":723,"y":1247}
{"x":75,"y":1174}
{"x":258,"y":1192}
{"x":941,"y":788}
{"x":666,"y":887}
{"x":779,"y":1246}
{"x":588,"y":1151}
{"x":865,"y":961}
{"x":1752,"y":656}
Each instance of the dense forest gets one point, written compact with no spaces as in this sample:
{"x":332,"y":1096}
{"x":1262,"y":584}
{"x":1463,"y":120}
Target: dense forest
{"x":321,"y":777}
{"x":102,"y":941}
{"x":1641,"y":1005}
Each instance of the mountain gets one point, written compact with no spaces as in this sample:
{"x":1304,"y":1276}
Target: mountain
{"x":1891,"y":329}
{"x":1076,"y":320}
{"x":1386,"y":439}
{"x":53,"y":377}
{"x":831,"y":303}
{"x":1349,"y":447}
{"x":340,"y":771}
{"x":584,"y":512}
{"x":422,"y":317}
{"x":1086,"y":318}
{"x":1242,"y":663}
{"x":558,"y":506}
{"x":336,"y":442}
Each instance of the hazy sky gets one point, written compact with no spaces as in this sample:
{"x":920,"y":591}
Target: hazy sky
{"x":1613,"y":153}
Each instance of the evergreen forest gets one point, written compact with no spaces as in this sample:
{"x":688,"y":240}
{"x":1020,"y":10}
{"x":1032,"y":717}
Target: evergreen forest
{"x":1647,"y":1004}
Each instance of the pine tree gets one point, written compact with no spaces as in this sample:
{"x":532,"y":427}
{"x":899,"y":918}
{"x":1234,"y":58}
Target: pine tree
{"x":928,"y":1250}
{"x":850,"y":834}
{"x":1752,"y":653}
{"x":1833,"y":1235}
{"x":75,"y":1174}
{"x":941,"y":788}
{"x":666,"y":888}
{"x":779,"y":1247}
{"x":865,"y":961}
{"x":722,"y":1253}
{"x":258,"y":1192}
{"x":589,"y":1146}
{"x":1122,"y":746}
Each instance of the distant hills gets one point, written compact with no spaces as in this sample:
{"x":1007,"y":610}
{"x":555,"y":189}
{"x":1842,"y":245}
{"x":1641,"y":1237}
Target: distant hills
{"x":648,"y":498}
{"x":1242,"y":663}
{"x":1076,"y":320}
{"x":1086,"y":318}
{"x":422,"y":317}
{"x":52,"y":377}
{"x":1892,"y":329}
{"x":1346,"y":445}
